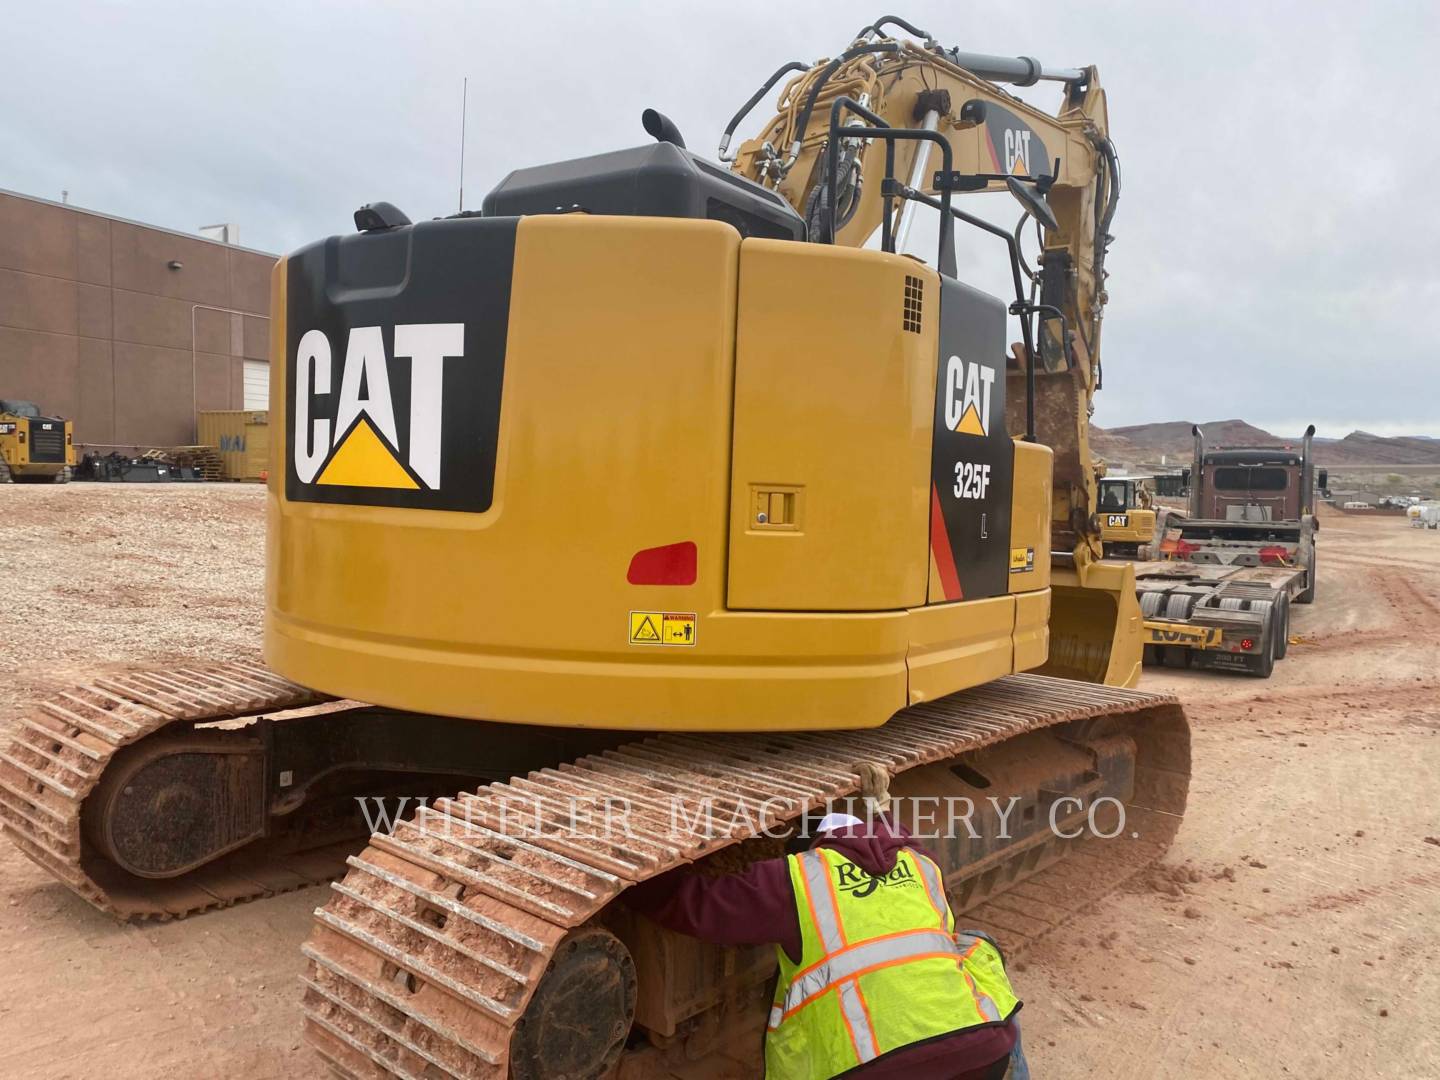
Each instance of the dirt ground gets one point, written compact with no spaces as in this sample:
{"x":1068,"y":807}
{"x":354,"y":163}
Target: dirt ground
{"x":1294,"y":929}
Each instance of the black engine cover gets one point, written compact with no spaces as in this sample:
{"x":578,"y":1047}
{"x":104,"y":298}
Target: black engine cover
{"x":658,"y":180}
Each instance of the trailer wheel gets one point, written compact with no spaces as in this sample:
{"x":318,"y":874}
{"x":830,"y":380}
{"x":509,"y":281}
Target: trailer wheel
{"x":1281,"y":615}
{"x":1262,"y":662}
{"x":1307,"y":595}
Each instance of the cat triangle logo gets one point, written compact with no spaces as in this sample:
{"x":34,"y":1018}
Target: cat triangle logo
{"x":363,"y":460}
{"x":370,"y":449}
{"x":967,"y":396}
{"x":970,"y":423}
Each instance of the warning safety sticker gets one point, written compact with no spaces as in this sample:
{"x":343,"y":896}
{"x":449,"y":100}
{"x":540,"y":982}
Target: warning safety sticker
{"x":662,"y":628}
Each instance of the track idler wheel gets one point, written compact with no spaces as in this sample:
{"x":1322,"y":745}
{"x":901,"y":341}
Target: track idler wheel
{"x":168,"y":805}
{"x":576,"y":1025}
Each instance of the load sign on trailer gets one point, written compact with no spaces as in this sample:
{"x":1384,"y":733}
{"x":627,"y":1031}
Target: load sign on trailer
{"x":1168,"y":633}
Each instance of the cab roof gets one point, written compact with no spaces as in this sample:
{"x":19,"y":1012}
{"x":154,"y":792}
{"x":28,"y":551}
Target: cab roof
{"x":1253,"y":455}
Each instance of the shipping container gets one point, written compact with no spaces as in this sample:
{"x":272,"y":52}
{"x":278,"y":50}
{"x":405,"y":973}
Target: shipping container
{"x":243,"y":438}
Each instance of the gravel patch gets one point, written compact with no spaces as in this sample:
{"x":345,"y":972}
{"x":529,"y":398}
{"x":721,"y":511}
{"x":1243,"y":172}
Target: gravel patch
{"x":102,"y":576}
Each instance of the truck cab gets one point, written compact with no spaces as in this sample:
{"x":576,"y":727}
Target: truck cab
{"x":1255,"y":484}
{"x":1251,"y":506}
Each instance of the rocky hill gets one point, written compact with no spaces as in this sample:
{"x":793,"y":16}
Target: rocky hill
{"x":1362,"y":448}
{"x":1145,"y":443}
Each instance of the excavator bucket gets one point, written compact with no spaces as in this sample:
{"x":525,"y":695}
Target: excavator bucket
{"x":1095,"y":624}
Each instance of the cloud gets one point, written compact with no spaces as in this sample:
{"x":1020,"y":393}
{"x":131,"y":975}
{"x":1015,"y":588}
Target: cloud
{"x":1275,"y":252}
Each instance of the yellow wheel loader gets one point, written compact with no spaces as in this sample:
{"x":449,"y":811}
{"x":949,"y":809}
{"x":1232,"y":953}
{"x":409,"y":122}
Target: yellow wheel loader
{"x":34,"y":448}
{"x":652,"y":502}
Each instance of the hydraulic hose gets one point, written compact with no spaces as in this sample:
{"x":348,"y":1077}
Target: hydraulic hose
{"x":794,"y":65}
{"x":894,"y":20}
{"x":830,"y":69}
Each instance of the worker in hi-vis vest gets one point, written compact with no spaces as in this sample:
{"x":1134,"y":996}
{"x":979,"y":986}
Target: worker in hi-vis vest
{"x":874,"y":978}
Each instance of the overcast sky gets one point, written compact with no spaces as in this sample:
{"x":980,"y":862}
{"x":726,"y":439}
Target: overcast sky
{"x":1277,"y":254}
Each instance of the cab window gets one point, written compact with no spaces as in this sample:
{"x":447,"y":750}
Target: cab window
{"x":1248,"y":478}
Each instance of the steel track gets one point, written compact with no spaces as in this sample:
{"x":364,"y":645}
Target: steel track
{"x":429,"y":950}
{"x":62,"y":746}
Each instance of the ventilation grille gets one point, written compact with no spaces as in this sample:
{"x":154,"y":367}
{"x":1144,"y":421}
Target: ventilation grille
{"x":914,"y":302}
{"x":47,"y":446}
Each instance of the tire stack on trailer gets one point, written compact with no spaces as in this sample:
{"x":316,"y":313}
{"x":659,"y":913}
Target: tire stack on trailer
{"x":1176,"y":604}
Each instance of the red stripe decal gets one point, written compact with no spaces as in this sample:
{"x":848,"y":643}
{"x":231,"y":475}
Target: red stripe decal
{"x":940,"y":549}
{"x":990,"y":145}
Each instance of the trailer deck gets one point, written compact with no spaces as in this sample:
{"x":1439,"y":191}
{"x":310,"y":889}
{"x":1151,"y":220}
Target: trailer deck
{"x":1211,"y":615}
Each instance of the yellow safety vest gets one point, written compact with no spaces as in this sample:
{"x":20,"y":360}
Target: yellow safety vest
{"x":881,"y":967}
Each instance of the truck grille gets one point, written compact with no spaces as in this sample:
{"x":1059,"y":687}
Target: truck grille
{"x":47,"y":446}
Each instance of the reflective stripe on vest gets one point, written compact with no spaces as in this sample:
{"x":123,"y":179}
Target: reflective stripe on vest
{"x":935,"y":889}
{"x":971,"y":943}
{"x":820,"y":896}
{"x":857,"y":1022}
{"x":822,"y":900}
{"x":857,"y":959}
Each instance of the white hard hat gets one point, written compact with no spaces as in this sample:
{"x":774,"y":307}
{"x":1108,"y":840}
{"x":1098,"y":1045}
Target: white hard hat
{"x":831,"y":822}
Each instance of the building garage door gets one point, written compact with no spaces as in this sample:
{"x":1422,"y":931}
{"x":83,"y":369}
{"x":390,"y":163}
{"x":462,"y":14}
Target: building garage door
{"x":257,"y":384}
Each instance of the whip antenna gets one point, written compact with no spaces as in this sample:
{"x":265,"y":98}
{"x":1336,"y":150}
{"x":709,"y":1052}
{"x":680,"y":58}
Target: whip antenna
{"x":464,"y":100}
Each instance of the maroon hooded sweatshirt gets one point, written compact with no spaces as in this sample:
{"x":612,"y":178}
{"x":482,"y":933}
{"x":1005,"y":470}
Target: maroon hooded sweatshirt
{"x":757,"y":907}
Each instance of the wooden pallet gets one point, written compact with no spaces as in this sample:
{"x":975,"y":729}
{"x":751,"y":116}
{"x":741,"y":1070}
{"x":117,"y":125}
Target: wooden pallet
{"x":205,"y":458}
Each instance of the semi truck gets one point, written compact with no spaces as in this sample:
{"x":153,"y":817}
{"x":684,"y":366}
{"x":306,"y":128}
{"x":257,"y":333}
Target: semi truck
{"x":1218,"y":590}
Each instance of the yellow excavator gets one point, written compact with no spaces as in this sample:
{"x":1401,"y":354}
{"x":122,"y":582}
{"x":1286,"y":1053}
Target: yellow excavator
{"x":659,"y":497}
{"x":1127,"y":515}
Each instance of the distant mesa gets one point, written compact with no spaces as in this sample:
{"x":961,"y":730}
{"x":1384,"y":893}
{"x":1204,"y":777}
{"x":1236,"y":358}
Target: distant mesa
{"x":1137,"y":443}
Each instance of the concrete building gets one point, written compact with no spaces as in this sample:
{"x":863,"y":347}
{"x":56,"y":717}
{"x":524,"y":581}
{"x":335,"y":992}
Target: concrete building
{"x":128,"y":329}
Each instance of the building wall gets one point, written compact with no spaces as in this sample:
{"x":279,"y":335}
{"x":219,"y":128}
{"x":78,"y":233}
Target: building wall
{"x":96,"y":327}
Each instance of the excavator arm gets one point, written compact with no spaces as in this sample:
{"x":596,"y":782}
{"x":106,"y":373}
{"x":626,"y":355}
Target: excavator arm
{"x":993,"y":142}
